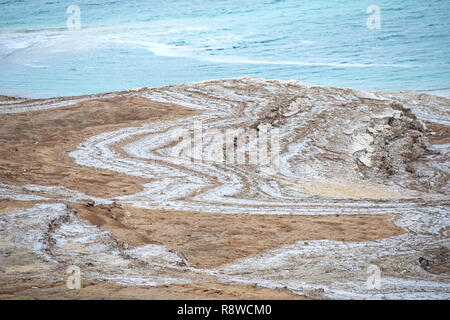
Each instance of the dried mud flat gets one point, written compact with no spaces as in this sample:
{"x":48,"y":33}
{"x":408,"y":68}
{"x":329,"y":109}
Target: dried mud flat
{"x":92,"y":181}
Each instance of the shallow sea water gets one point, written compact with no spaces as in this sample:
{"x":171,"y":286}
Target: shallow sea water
{"x":127,"y":44}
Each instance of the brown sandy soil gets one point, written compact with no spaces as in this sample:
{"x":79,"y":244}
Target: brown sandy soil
{"x":211,"y":240}
{"x":441,"y":133}
{"x":34,"y":146}
{"x":7,"y":205}
{"x":30,"y":290}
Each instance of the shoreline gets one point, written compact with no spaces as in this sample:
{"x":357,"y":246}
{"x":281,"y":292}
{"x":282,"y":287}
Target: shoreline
{"x":439,"y":92}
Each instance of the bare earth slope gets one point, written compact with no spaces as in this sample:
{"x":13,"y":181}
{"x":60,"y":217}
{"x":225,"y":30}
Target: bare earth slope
{"x":100,"y":182}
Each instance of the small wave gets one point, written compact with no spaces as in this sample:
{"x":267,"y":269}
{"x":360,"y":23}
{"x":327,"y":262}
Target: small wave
{"x":244,"y":60}
{"x":42,"y":30}
{"x":36,"y":66}
{"x":160,"y":49}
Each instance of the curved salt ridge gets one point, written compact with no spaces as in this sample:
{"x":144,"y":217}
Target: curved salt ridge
{"x":338,"y":269}
{"x":181,"y":184}
{"x":10,"y":107}
{"x":28,"y":106}
{"x":72,"y":242}
{"x":34,"y":192}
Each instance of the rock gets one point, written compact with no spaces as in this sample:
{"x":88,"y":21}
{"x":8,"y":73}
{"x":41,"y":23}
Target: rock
{"x":365,"y":160}
{"x":71,"y":209}
{"x":436,"y":261}
{"x":184,"y":259}
{"x":298,"y":105}
{"x":362,"y":141}
{"x":348,"y":131}
{"x":89,"y":203}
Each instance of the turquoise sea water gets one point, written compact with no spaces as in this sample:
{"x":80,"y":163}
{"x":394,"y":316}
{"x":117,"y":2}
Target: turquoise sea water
{"x":128,"y":44}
